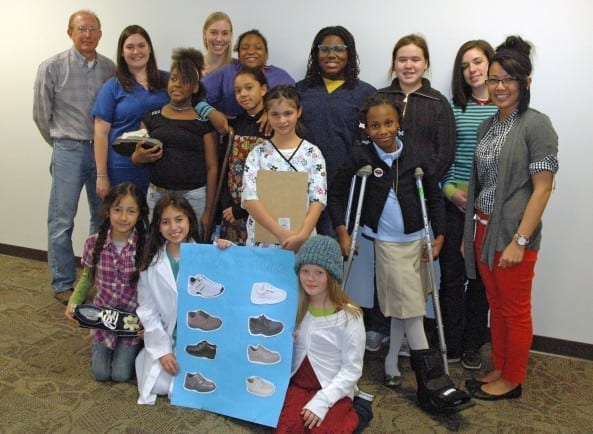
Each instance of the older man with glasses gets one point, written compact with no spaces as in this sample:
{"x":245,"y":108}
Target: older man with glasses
{"x":65,"y":90}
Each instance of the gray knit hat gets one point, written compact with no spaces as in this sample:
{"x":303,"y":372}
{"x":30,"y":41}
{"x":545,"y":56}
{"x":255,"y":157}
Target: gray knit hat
{"x":323,"y":251}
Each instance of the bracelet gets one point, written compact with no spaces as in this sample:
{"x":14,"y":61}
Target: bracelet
{"x":102,"y":175}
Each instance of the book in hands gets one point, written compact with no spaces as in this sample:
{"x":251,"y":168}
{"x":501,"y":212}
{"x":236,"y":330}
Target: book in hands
{"x":126,"y":143}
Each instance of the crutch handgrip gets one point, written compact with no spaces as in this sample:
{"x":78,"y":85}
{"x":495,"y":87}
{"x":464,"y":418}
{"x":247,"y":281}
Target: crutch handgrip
{"x":364,"y":172}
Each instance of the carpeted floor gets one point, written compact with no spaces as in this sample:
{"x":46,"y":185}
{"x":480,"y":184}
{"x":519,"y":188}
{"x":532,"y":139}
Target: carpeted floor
{"x":46,"y":385}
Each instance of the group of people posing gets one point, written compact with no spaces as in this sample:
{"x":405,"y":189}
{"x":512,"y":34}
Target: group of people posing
{"x":488,"y":160}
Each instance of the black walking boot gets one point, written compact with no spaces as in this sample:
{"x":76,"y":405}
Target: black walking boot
{"x":436,"y":392}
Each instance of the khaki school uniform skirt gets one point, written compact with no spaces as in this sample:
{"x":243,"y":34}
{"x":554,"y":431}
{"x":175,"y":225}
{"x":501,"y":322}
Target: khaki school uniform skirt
{"x":402,"y":279}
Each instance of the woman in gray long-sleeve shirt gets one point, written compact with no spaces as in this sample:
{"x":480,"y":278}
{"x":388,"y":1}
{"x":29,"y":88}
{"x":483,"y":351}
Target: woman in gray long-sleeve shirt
{"x":512,"y":179}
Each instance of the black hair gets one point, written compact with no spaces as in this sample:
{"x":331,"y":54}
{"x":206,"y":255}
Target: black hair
{"x":462,"y":91}
{"x":314,"y":75}
{"x":112,"y":199}
{"x":155,"y":238}
{"x":254,"y":32}
{"x":373,"y":101}
{"x":514,"y":56}
{"x":256,"y":73}
{"x":189,"y":63}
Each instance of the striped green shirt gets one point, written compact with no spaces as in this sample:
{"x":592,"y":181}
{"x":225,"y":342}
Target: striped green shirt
{"x":467,"y":123}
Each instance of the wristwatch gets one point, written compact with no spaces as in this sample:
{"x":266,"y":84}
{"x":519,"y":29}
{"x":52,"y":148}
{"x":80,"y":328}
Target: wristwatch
{"x":521,"y":240}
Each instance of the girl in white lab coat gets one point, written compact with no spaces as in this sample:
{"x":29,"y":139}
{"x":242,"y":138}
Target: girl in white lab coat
{"x":174,"y":222}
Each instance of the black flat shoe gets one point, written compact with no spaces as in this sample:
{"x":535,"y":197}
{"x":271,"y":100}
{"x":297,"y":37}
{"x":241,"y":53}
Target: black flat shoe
{"x":511,"y":394}
{"x":473,"y":385}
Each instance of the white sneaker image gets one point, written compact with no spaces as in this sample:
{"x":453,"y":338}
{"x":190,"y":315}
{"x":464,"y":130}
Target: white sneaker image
{"x":199,"y":285}
{"x":266,"y":293}
{"x":259,"y":386}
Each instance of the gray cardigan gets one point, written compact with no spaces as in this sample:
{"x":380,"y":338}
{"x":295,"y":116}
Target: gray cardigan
{"x":531,"y":139}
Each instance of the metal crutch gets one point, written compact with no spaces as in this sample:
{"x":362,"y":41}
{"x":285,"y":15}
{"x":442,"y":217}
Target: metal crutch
{"x":362,"y":173}
{"x":221,"y":179}
{"x":418,"y":174}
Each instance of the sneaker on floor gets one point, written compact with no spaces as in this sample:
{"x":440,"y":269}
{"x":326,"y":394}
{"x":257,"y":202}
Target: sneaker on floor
{"x":260,"y":354}
{"x":266,"y":293}
{"x":453,"y":358}
{"x":203,"y":320}
{"x":262,"y":325}
{"x":373,"y":341}
{"x":198,"y":383}
{"x":259,"y":386}
{"x":404,"y":350}
{"x":201,"y":286}
{"x":472,"y":360}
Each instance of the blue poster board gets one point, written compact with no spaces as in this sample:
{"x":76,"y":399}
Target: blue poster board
{"x":235,"y":319}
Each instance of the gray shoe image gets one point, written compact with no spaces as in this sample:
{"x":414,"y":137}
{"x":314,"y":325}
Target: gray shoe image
{"x":198,"y":383}
{"x":263,"y":356}
{"x":262,"y":325}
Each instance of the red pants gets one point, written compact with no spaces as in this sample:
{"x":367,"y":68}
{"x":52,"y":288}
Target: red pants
{"x":509,"y":295}
{"x":340,"y":419}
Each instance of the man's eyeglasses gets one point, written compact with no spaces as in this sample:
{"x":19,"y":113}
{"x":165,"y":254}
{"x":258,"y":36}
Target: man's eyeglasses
{"x":505,"y":81}
{"x":338,"y":49}
{"x":91,"y":29}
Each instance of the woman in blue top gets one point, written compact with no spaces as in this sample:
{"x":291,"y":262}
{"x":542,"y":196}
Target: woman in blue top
{"x":331,"y":94}
{"x":252,"y":49}
{"x":137,"y":87}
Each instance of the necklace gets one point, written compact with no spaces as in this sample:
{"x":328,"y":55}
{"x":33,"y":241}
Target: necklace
{"x":180,"y":108}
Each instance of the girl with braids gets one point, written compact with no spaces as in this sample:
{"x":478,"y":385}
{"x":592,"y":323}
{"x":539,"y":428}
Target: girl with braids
{"x":110,"y":261}
{"x":331,"y":95}
{"x":187,"y":162}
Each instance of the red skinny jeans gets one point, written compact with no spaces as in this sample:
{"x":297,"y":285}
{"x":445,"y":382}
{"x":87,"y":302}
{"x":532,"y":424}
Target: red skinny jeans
{"x":508,"y":291}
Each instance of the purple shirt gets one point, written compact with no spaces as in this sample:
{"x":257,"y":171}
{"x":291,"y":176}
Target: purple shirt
{"x":220,"y":89}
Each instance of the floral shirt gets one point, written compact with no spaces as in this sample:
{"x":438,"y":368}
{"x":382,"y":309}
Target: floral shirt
{"x":306,"y":158}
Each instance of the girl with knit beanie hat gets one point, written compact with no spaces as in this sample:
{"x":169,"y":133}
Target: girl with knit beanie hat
{"x":329,"y":344}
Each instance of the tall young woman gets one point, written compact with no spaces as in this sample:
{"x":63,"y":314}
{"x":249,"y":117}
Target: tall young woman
{"x":331,"y":95}
{"x":137,"y":87}
{"x":217,"y":34}
{"x":465,"y":312}
{"x":427,"y":123}
{"x":511,"y":181}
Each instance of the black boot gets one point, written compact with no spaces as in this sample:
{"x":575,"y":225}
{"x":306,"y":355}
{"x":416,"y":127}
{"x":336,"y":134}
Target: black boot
{"x":436,"y":392}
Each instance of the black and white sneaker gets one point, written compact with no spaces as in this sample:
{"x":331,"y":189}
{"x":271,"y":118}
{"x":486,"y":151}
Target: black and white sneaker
{"x":472,"y":360}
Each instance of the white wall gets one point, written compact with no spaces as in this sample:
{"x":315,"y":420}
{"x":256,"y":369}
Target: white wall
{"x":561,"y":31}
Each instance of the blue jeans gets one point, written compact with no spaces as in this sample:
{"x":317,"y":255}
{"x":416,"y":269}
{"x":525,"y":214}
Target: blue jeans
{"x":72,"y":167}
{"x":196,"y":198}
{"x":116,"y":365}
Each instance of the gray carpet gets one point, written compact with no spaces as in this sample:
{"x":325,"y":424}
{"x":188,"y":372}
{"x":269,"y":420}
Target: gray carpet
{"x":46,"y":384}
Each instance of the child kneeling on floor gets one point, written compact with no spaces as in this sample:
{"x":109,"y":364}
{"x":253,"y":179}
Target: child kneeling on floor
{"x":329,"y":344}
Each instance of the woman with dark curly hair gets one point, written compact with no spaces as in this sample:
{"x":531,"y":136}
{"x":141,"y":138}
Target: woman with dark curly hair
{"x":331,"y":95}
{"x":187,"y":162}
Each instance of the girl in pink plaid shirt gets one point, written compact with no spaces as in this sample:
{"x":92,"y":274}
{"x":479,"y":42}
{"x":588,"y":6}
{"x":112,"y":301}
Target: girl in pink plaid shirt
{"x":109,"y":260}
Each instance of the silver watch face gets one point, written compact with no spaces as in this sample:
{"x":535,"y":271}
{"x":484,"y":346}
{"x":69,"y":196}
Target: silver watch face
{"x":522,"y":241}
